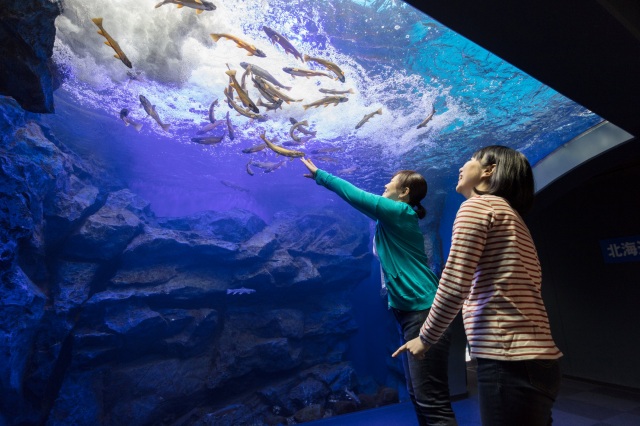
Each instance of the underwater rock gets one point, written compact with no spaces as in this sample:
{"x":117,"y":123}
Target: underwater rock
{"x":73,"y":285}
{"x":104,"y":234}
{"x":309,"y":414}
{"x":235,"y":225}
{"x":22,"y":311}
{"x":310,"y":391}
{"x":80,"y":389}
{"x":27,"y":31}
{"x":143,"y":276}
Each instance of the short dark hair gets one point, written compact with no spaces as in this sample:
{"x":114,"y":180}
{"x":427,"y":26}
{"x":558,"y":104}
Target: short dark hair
{"x":418,"y":188}
{"x":512,"y":178}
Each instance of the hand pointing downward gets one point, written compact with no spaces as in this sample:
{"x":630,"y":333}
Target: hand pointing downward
{"x":415,"y":347}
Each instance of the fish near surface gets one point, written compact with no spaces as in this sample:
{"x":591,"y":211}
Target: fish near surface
{"x":264,"y":74}
{"x":328,"y":65}
{"x":267,"y":166}
{"x":199,"y":5}
{"x":280,"y":150}
{"x":273,"y":91}
{"x":335,"y":92}
{"x":326,"y":101}
{"x":112,"y":43}
{"x":282,"y":41}
{"x":300,"y":72}
{"x":232,"y":133}
{"x":426,"y":120}
{"x":244,"y":96}
{"x":151,"y":110}
{"x":124,"y":116}
{"x":240,"y":110}
{"x":208,"y":140}
{"x":240,"y":43}
{"x":367,"y":117}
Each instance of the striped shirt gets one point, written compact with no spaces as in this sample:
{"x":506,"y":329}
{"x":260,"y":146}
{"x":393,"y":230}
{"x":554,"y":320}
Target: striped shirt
{"x":493,"y":274}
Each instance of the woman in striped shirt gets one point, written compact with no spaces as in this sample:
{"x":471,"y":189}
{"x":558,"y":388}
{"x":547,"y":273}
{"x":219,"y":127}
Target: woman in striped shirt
{"x":493,"y":274}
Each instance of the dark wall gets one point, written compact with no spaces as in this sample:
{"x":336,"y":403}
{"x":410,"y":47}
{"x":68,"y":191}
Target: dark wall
{"x":594,"y":307}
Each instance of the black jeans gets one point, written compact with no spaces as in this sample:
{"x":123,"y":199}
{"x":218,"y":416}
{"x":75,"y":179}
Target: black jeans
{"x":428,"y":378}
{"x":517,"y":392}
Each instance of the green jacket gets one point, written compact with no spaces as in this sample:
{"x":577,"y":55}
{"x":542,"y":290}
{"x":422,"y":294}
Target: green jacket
{"x":399,"y":242}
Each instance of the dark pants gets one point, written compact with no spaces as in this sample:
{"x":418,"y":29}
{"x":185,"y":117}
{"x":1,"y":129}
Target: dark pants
{"x":517,"y":392}
{"x":428,"y":378}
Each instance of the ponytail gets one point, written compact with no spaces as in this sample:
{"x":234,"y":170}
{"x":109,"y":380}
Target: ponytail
{"x":417,"y":189}
{"x":421,"y":211}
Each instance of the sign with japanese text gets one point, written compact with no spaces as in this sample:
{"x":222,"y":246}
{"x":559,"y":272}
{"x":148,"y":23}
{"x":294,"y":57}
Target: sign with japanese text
{"x":626,"y":249}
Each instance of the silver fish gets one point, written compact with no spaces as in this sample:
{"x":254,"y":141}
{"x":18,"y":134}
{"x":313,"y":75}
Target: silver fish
{"x":336,"y":92}
{"x":151,"y":110}
{"x":282,"y":41}
{"x":268,"y":167}
{"x":367,"y":117}
{"x":199,"y":5}
{"x":264,"y":74}
{"x":208,"y":140}
{"x":124,"y":116}
{"x":426,"y":120}
{"x":232,"y":133}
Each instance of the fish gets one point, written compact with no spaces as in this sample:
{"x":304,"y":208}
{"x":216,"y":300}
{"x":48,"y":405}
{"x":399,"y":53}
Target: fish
{"x":254,"y":148}
{"x":275,"y":92}
{"x":325,"y":159}
{"x":264,"y":74}
{"x":151,"y":110}
{"x":293,"y":143}
{"x":112,"y":43}
{"x":240,"y":43}
{"x":326,"y":101}
{"x":282,"y":41}
{"x":299,"y":72}
{"x":124,"y":116}
{"x":208,"y":140}
{"x":212,"y":117}
{"x":248,"y":167}
{"x":246,"y":72}
{"x":296,"y":126}
{"x":199,"y":5}
{"x":426,"y":120}
{"x":210,"y":126}
{"x":243,"y":95}
{"x":280,"y":150}
{"x":232,"y":133}
{"x":240,"y":110}
{"x":336,"y":92}
{"x":327,"y":150}
{"x":268,"y":167}
{"x":347,"y":171}
{"x":270,"y":106}
{"x":327,"y":64}
{"x":241,"y":290}
{"x":367,"y":117}
{"x":302,"y":129}
{"x":232,"y":185}
{"x":350,"y":394}
{"x":260,"y":85}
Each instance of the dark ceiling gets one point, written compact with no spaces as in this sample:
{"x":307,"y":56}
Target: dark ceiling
{"x":588,"y":50}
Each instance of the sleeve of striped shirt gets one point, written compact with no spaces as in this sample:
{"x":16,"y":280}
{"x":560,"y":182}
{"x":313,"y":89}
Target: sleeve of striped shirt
{"x":470,"y":229}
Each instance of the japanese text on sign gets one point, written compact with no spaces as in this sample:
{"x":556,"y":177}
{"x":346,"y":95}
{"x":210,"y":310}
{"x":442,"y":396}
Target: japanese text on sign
{"x":626,"y":249}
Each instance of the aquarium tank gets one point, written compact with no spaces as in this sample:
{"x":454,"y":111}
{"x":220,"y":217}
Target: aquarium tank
{"x":164,"y":259}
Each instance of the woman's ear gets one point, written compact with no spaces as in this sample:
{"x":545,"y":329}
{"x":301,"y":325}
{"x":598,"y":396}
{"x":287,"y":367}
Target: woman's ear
{"x":405,"y":192}
{"x":488,"y":171}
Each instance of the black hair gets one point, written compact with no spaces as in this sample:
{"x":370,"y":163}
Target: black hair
{"x":417,"y":189}
{"x":512,"y":178}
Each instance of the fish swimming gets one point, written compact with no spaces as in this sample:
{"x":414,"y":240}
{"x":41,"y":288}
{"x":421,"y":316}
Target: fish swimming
{"x":232,"y":133}
{"x":112,"y":43}
{"x":275,"y":92}
{"x":212,"y":117}
{"x":280,"y":150}
{"x":124,"y":116}
{"x":264,"y":74}
{"x":296,"y":126}
{"x":260,"y":84}
{"x":208,"y":140}
{"x":240,"y":43}
{"x":327,"y":150}
{"x":367,"y":117}
{"x":328,"y":65}
{"x":244,"y":96}
{"x":299,"y":72}
{"x":351,"y":395}
{"x":210,"y":126}
{"x":270,"y":106}
{"x":336,"y":92}
{"x":240,"y":110}
{"x":426,"y":120}
{"x":326,"y":101}
{"x":268,"y":167}
{"x":151,"y":110}
{"x":302,"y":128}
{"x":199,"y":5}
{"x":254,"y":148}
{"x":282,"y":41}
{"x":249,"y":171}
{"x":240,"y":290}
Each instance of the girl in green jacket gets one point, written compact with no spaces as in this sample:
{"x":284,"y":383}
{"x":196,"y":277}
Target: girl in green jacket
{"x":411,"y":285}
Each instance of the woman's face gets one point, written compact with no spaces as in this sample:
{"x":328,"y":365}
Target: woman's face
{"x":393,"y":191}
{"x":470,"y":177}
